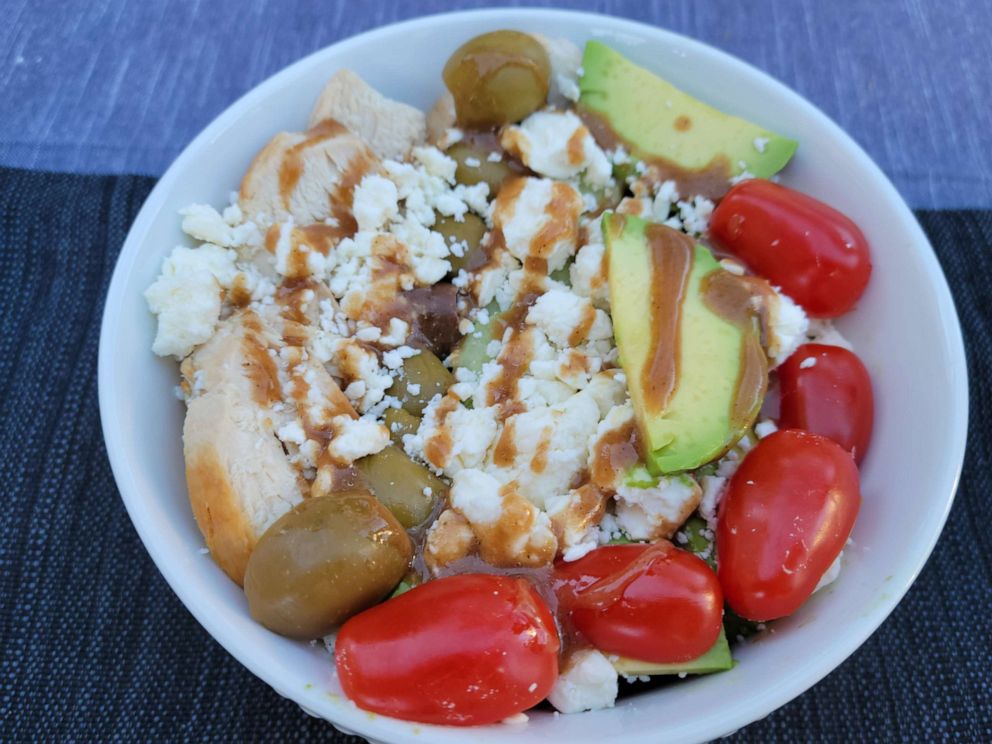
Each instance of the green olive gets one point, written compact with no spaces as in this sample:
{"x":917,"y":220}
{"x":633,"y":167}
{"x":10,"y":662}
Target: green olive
{"x":469,"y":231}
{"x":497,"y":78}
{"x":424,"y":376}
{"x":474,"y":166}
{"x":326,"y":560}
{"x":400,"y":422}
{"x":405,"y":487}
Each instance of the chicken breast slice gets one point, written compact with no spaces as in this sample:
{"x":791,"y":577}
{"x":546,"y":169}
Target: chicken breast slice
{"x":389,"y":127}
{"x":239,"y":478}
{"x":308,"y":176}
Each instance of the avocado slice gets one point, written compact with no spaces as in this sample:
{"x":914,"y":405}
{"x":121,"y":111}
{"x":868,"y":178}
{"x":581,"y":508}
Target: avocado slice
{"x":717,"y":659}
{"x":698,"y":146}
{"x":695,"y":369}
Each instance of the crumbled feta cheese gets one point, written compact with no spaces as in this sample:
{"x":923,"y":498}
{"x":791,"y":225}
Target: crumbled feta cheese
{"x":760,"y":143}
{"x":292,"y":433}
{"x":399,"y":329}
{"x":203,"y":222}
{"x":369,"y":334}
{"x":517,"y":719}
{"x":477,"y":496}
{"x":587,"y":272}
{"x":561,"y":314}
{"x":588,"y":681}
{"x":565,"y":59}
{"x":558,"y":145}
{"x":393,"y":359}
{"x":470,"y":431}
{"x":526,"y":213}
{"x":557,"y":437}
{"x":375,"y":202}
{"x":831,"y":575}
{"x":695,"y":214}
{"x":764,"y":428}
{"x":356,"y":438}
{"x":186,"y":297}
{"x":657,"y":511}
{"x":787,"y":327}
{"x":712,"y":488}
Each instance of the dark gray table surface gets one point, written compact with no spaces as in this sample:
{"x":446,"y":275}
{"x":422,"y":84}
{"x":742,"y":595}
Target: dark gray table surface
{"x":109,"y":86}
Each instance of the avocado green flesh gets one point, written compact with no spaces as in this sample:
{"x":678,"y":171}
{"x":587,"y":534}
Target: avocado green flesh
{"x":656,"y":119}
{"x":696,"y":424}
{"x":717,"y":659}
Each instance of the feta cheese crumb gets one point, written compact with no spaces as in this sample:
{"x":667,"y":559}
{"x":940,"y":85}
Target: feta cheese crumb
{"x":831,"y":575}
{"x":787,"y":327}
{"x":186,"y":297}
{"x":558,"y":145}
{"x":712,"y":487}
{"x":760,"y":143}
{"x":587,"y":682}
{"x":764,"y":428}
{"x":292,"y":433}
{"x":356,"y":438}
{"x":375,"y":202}
{"x":656,"y":511}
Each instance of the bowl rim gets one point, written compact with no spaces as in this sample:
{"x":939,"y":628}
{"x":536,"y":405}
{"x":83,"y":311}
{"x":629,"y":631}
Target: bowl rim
{"x":353,"y":720}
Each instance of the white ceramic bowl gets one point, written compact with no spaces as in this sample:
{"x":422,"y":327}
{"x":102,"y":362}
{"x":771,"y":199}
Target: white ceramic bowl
{"x":905,"y":328}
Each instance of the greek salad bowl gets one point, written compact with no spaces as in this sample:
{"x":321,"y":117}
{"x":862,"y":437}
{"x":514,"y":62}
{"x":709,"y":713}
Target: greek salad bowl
{"x":902,"y":325}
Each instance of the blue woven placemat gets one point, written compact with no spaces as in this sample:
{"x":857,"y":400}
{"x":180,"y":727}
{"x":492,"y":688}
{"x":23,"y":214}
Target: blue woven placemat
{"x":117,"y":86}
{"x":95,"y":647}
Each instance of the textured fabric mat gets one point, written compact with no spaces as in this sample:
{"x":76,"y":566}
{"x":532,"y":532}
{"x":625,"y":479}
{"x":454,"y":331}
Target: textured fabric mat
{"x":116,"y":86}
{"x":95,"y":647}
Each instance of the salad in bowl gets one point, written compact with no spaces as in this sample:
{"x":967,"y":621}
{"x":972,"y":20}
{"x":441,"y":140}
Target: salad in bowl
{"x":525,"y":399}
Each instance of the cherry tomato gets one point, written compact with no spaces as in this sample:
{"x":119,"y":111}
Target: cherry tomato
{"x":814,"y":253}
{"x":463,"y":650}
{"x":786,"y":515}
{"x":827,"y":390}
{"x":653,"y":603}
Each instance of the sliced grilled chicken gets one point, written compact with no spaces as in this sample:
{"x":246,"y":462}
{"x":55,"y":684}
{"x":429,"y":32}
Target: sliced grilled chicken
{"x":391,"y":128}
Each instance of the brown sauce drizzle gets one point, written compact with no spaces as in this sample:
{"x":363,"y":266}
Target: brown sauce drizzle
{"x":615,"y":452}
{"x":559,"y":226}
{"x":321,"y":237}
{"x":343,"y":196}
{"x":711,"y":181}
{"x":291,"y":167}
{"x":514,"y":362}
{"x":581,"y":331}
{"x":671,"y":255}
{"x":539,"y":462}
{"x":259,"y":365}
{"x":575,"y":147}
{"x":239,"y":294}
{"x":742,"y":300}
{"x":506,"y":448}
{"x":437,"y":449}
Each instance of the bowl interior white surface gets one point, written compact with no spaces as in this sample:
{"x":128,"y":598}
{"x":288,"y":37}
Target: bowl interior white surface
{"x":905,"y":328}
